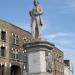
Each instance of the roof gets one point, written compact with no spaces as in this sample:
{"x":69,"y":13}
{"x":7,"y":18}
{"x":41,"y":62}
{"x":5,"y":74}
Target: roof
{"x":14,"y":26}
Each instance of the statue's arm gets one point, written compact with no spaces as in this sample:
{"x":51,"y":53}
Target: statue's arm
{"x":40,"y":10}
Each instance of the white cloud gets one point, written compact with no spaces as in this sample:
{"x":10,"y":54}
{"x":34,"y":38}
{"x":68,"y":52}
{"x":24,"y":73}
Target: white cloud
{"x":59,"y":34}
{"x":63,"y":41}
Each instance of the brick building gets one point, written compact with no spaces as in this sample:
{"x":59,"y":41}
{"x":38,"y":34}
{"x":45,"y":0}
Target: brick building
{"x":12,"y":55}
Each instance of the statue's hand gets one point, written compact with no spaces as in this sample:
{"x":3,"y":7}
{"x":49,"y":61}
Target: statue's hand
{"x":41,"y":24}
{"x":30,"y":13}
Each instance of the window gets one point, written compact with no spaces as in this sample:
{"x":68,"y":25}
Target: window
{"x":25,"y":40}
{"x":3,"y":35}
{"x":2,"y":51}
{"x":15,"y":39}
{"x":15,"y":54}
{"x":1,"y":69}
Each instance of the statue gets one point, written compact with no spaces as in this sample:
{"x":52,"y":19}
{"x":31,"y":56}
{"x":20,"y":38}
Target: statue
{"x":36,"y":21}
{"x":49,"y":63}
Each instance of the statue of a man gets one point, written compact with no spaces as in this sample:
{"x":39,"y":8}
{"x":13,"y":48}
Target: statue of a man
{"x":36,"y":21}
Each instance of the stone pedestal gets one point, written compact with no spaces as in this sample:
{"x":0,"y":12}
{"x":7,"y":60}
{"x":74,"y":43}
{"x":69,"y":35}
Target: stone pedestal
{"x":37,"y":62}
{"x":36,"y":51}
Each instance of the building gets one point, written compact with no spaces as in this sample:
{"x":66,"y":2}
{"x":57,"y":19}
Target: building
{"x":68,"y":68}
{"x":56,"y":60}
{"x":12,"y":56}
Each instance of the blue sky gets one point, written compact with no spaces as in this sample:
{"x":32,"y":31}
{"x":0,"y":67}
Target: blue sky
{"x":58,"y":21}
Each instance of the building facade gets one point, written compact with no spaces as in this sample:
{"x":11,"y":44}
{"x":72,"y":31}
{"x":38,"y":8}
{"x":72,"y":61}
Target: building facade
{"x":68,"y":68}
{"x":12,"y":56}
{"x":56,"y":58}
{"x":58,"y":68}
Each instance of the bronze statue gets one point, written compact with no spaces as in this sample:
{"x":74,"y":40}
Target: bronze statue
{"x":36,"y":21}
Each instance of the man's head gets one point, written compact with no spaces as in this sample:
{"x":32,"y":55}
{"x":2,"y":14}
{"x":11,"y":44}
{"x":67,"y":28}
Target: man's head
{"x":36,"y":2}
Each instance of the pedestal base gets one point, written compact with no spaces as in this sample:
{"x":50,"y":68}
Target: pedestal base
{"x":36,"y":62}
{"x":36,"y":52}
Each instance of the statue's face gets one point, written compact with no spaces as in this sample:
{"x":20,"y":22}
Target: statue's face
{"x":36,"y":2}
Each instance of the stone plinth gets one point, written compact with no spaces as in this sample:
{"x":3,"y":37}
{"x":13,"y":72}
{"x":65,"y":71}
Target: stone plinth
{"x":37,"y":62}
{"x":36,"y":51}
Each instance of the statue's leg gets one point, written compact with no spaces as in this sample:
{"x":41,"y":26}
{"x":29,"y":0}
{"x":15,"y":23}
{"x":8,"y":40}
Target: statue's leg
{"x":38,"y":27}
{"x":33,"y":29}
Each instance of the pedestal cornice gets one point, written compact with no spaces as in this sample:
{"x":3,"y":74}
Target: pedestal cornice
{"x":38,"y":45}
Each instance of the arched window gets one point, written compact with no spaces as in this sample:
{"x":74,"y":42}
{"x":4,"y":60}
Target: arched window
{"x":3,"y":35}
{"x":1,"y":69}
{"x":2,"y":51}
